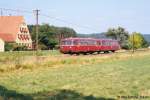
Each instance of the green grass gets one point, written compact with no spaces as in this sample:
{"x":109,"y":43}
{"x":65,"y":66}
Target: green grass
{"x":64,"y":77}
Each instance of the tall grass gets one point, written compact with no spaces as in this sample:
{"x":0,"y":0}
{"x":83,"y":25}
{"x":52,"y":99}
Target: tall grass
{"x":84,"y":77}
{"x":11,"y":61}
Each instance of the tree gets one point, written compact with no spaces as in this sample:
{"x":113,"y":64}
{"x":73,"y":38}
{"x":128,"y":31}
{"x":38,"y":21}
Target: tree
{"x":119,"y":34}
{"x":137,"y":40}
{"x":50,"y":36}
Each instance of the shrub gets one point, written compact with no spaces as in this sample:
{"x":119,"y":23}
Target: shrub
{"x":20,"y":48}
{"x":9,"y":46}
{"x":14,"y":47}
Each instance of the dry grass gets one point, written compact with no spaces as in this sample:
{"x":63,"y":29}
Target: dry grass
{"x":24,"y":61}
{"x":59,"y":76}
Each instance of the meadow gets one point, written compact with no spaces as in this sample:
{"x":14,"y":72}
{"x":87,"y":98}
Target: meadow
{"x":54,"y":76}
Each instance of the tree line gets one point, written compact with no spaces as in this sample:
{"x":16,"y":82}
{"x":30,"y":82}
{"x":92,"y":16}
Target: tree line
{"x":127,"y":41}
{"x":49,"y":37}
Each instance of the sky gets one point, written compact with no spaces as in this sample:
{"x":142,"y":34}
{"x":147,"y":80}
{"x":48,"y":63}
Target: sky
{"x":86,"y":16}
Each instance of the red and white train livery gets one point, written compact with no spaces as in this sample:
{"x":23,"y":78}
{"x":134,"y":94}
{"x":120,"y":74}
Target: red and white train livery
{"x":88,"y":45}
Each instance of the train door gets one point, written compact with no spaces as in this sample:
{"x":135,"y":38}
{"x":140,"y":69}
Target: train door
{"x":109,"y":46}
{"x":82,"y":46}
{"x":103,"y":46}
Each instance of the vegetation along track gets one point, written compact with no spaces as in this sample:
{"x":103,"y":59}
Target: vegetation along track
{"x":28,"y":60}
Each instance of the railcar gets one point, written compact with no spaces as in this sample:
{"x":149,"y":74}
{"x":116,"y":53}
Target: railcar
{"x":88,"y":45}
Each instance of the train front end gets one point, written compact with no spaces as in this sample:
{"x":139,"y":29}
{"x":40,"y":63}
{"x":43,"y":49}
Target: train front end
{"x":66,"y":46}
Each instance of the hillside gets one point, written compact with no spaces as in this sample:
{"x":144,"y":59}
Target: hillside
{"x":93,"y":35}
{"x":102,"y":35}
{"x":147,"y":37}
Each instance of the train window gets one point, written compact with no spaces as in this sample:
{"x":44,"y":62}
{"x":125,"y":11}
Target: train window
{"x":99,"y":43}
{"x":103,"y":43}
{"x":109,"y":43}
{"x":83,"y":42}
{"x":92,"y":42}
{"x":75,"y":43}
{"x":106,"y":43}
{"x":67,"y":42}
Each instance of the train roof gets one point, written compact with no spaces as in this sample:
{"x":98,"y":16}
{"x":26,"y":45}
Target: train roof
{"x":76,"y":38}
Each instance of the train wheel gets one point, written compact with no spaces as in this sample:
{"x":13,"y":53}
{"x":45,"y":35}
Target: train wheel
{"x":106,"y":51}
{"x":98,"y":52}
{"x":84,"y":53}
{"x":91,"y":52}
{"x":71,"y":53}
{"x":77,"y":54}
{"x":113,"y":51}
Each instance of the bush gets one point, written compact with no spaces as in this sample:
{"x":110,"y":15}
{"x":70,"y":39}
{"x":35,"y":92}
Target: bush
{"x":20,"y":48}
{"x":14,"y":47}
{"x":126,"y":46}
{"x":138,"y":40}
{"x":9,"y":46}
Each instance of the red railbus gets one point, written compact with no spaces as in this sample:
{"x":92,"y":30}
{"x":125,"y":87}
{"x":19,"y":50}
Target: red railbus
{"x":88,"y":45}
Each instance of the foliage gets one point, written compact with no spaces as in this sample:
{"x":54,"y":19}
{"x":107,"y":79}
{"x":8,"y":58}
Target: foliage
{"x":14,"y":47}
{"x":20,"y":48}
{"x":8,"y":46}
{"x":126,"y":45}
{"x":50,"y":36}
{"x":119,"y":34}
{"x":137,"y":40}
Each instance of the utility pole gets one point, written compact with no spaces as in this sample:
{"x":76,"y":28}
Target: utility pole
{"x":133,"y":43}
{"x":1,"y":12}
{"x":37,"y":28}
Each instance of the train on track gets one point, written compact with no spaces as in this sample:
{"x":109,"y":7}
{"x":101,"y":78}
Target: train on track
{"x":88,"y":45}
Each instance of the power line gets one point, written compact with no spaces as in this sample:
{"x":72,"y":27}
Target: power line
{"x":37,"y":26}
{"x":68,"y":22}
{"x":14,"y":10}
{"x":1,"y":12}
{"x":51,"y":17}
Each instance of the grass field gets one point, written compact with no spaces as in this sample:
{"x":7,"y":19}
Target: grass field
{"x":54,"y":76}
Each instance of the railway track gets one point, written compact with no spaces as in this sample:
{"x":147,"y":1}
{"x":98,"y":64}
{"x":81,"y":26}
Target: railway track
{"x":109,"y":53}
